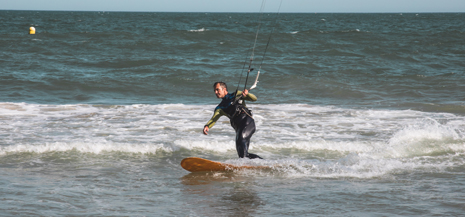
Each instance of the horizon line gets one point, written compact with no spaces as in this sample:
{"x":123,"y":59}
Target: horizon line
{"x":115,"y":11}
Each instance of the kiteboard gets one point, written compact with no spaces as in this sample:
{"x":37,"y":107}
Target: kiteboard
{"x":196,"y":164}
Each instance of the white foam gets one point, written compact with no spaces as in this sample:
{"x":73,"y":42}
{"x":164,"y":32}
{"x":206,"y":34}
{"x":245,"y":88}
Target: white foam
{"x":425,"y":138}
{"x":324,"y":141}
{"x":198,"y":30}
{"x":95,"y":148}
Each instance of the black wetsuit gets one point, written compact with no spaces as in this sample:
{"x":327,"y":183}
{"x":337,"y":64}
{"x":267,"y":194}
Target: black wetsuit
{"x":241,"y":120}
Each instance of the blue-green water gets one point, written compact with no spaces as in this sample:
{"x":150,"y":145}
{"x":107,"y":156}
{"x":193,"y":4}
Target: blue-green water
{"x":358,"y":114}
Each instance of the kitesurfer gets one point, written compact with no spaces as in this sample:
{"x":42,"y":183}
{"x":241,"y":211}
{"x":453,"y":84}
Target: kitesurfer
{"x":233,"y":106}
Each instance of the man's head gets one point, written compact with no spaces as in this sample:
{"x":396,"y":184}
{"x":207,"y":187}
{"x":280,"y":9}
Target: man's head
{"x":220,"y":89}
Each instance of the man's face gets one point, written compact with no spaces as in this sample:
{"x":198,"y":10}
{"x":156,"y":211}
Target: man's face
{"x":220,"y":92}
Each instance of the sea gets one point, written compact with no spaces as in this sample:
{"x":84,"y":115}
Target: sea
{"x":358,"y":114}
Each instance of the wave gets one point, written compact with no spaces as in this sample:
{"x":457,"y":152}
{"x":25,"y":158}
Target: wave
{"x":84,"y":147}
{"x":281,"y":126}
{"x":296,"y":140}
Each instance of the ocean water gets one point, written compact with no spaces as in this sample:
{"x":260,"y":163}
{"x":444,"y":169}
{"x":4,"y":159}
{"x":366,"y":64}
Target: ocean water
{"x":357,"y":114}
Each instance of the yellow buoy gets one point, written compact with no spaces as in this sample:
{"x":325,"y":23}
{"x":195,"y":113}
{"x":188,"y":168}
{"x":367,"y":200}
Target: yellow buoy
{"x":32,"y":31}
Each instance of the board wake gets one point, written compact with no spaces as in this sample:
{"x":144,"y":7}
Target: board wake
{"x":196,"y":164}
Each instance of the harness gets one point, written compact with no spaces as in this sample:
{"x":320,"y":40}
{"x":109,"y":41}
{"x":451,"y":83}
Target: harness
{"x":233,"y":107}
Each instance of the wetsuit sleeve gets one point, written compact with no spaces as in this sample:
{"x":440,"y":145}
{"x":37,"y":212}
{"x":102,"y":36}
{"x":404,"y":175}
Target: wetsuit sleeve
{"x":216,"y":115}
{"x":249,"y":97}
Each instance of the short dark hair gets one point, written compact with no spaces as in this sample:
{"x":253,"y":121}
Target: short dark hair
{"x":222,"y":84}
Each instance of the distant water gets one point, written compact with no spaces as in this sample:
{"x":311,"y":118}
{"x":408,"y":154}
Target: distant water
{"x":358,"y":114}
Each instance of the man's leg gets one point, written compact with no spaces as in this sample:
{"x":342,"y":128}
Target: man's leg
{"x":243,"y":135}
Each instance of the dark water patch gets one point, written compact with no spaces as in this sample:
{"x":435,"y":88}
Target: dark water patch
{"x":431,"y":107}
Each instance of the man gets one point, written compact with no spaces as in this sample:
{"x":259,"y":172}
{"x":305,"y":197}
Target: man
{"x":233,"y":106}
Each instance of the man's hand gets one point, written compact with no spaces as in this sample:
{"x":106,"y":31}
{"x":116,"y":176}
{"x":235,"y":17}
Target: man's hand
{"x":245,"y":92}
{"x":205,"y":130}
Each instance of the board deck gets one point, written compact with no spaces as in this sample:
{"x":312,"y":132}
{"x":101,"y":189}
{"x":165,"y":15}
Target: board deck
{"x":196,"y":164}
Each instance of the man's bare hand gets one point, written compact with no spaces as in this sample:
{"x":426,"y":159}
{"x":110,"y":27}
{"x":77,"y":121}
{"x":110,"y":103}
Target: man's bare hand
{"x":205,"y":130}
{"x":245,"y":92}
